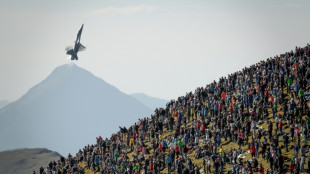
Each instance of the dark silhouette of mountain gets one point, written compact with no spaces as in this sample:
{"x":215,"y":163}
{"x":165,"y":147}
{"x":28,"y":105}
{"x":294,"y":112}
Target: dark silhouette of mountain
{"x":149,"y":101}
{"x":23,"y":161}
{"x":66,"y":111}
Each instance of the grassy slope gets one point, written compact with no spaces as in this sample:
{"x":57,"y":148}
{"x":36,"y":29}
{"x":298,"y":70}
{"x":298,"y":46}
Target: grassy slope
{"x":25,"y":160}
{"x":227,"y":146}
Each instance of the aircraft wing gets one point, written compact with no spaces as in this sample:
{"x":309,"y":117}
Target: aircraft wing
{"x":81,"y":47}
{"x":70,"y":52}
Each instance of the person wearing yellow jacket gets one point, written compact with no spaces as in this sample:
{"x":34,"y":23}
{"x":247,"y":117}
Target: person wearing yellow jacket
{"x":161,"y":137}
{"x":131,"y":142}
{"x":221,"y":151}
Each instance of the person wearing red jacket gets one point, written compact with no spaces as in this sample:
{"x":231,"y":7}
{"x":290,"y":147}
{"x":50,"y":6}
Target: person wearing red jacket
{"x":261,"y":169}
{"x":203,"y":128}
{"x":198,"y":124}
{"x":291,"y":166}
{"x":223,"y":95}
{"x":177,"y":150}
{"x":280,"y":125}
{"x":151,"y":166}
{"x":160,"y":147}
{"x":252,"y":150}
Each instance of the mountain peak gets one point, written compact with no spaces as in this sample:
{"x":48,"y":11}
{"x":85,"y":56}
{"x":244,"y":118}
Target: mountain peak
{"x":68,"y":68}
{"x":67,"y":99}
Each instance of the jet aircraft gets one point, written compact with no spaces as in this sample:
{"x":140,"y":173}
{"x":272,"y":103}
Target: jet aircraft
{"x":72,"y":51}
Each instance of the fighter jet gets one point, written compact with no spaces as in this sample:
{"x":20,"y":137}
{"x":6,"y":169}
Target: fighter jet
{"x":72,"y":51}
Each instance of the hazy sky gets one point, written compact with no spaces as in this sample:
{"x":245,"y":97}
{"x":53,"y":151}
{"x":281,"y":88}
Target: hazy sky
{"x":158,"y":47}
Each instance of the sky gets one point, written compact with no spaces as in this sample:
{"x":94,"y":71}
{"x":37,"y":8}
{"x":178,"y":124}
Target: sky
{"x":160,"y":48}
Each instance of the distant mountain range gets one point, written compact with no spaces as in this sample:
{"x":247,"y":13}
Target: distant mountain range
{"x":24,"y":161}
{"x":66,"y":111}
{"x":3,"y":103}
{"x":150,"y":102}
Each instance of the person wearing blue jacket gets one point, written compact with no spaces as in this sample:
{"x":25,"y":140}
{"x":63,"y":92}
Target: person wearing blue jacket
{"x":169,"y":161}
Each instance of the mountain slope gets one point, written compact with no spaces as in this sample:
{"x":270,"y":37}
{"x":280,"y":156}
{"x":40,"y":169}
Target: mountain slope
{"x":3,"y":103}
{"x":149,"y":101}
{"x":71,"y":106}
{"x":23,"y":161}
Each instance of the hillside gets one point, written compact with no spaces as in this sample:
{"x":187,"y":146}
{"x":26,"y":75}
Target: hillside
{"x":254,"y":120}
{"x":24,"y":161}
{"x":70,"y":105}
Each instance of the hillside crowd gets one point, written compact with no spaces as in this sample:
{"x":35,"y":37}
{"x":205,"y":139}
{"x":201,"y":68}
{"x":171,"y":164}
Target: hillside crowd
{"x":253,"y":121}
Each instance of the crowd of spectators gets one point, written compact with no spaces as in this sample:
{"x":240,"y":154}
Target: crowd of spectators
{"x":260,"y":114}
